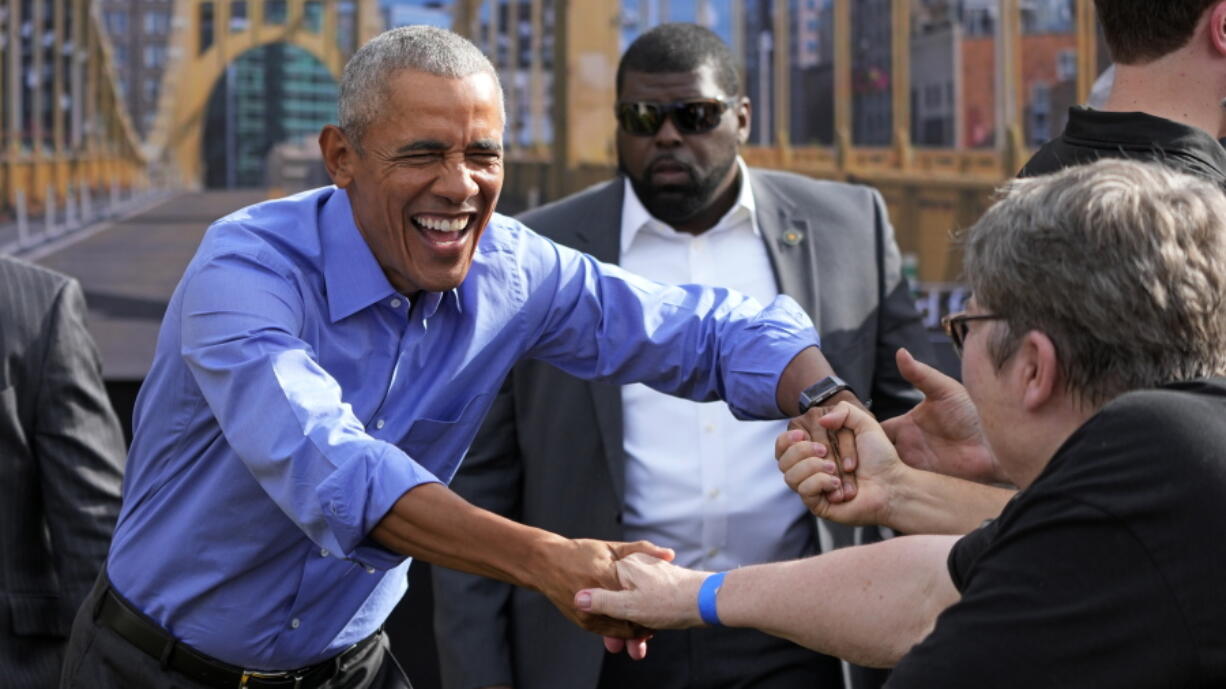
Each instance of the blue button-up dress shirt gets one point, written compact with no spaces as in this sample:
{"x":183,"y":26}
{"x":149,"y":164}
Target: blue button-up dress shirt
{"x":295,"y":396}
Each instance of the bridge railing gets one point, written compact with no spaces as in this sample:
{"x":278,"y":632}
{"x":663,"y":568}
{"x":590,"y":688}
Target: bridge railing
{"x":67,"y":145}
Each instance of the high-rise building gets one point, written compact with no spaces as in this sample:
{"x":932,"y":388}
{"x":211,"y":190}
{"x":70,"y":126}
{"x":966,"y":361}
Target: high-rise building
{"x":871,"y":57}
{"x":268,"y":95}
{"x":139,"y":32}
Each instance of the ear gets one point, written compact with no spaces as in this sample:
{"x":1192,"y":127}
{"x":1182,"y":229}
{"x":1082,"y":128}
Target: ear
{"x":744,"y":118}
{"x":338,"y":155}
{"x":1217,"y":27}
{"x":1037,"y":368}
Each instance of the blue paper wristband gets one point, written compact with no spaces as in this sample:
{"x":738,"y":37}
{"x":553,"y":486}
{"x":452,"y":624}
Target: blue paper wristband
{"x":706,"y":598}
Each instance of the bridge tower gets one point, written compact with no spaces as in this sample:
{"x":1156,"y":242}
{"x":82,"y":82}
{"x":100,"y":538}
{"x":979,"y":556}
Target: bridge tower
{"x":211,"y":34}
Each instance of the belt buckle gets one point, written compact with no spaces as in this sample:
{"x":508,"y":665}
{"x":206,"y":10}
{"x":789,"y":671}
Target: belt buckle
{"x":252,"y":674}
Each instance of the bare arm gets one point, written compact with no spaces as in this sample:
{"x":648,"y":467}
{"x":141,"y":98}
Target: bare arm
{"x":805,"y":369}
{"x":434,"y":524}
{"x":867,"y":604}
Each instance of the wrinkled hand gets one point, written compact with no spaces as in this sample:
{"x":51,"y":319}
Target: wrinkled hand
{"x":942,"y":433}
{"x":839,"y":445}
{"x":879,"y":470}
{"x":654,"y":594}
{"x":586,"y":563}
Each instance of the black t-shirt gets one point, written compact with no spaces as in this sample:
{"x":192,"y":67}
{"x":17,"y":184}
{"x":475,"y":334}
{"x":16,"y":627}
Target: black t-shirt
{"x":1108,"y":571}
{"x":1094,"y":134}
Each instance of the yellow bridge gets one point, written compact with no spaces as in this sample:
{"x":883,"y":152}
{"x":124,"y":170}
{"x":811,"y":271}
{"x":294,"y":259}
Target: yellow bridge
{"x":65,"y":132}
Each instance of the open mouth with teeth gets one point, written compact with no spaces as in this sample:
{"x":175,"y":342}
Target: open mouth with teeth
{"x":442,"y":231}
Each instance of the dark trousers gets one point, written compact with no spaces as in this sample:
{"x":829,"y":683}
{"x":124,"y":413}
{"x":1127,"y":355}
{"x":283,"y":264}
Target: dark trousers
{"x":721,"y":658}
{"x":98,"y":658}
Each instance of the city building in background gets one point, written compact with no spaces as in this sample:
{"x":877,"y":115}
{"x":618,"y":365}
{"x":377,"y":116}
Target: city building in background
{"x":270,"y":95}
{"x":139,"y":32}
{"x":935,"y":102}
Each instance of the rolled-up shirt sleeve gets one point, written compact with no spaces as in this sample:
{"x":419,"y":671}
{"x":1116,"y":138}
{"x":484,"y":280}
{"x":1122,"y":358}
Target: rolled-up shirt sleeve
{"x":282,"y":413}
{"x":702,"y":343}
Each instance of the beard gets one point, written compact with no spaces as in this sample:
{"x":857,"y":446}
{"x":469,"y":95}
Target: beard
{"x":677,"y":203}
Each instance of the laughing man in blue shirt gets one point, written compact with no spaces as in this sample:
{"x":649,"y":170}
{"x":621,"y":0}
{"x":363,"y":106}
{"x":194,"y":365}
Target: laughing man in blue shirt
{"x":324,"y":364}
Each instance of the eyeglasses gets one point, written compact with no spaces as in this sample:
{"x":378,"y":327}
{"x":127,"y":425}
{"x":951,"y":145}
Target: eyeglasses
{"x":955,"y":325}
{"x":697,"y":116}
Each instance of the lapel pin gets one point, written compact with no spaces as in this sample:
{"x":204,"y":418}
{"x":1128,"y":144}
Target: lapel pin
{"x":793,"y":238}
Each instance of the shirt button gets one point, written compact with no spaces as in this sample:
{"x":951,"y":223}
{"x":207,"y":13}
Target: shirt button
{"x":713,"y":552}
{"x":395,"y":303}
{"x":295,"y":623}
{"x":713,"y":493}
{"x":323,"y":552}
{"x":370,"y":570}
{"x":709,"y":428}
{"x":379,"y":425}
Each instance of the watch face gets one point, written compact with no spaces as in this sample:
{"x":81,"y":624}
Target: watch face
{"x":822,"y":390}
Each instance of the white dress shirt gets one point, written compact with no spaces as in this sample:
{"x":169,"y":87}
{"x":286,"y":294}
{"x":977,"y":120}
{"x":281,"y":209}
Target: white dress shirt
{"x":697,"y":479}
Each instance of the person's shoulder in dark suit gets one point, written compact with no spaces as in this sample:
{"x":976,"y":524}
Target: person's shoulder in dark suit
{"x":29,"y":292}
{"x":556,"y":219}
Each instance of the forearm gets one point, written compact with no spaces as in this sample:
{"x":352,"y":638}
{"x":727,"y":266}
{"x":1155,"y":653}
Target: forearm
{"x":926,"y":502}
{"x":805,"y":369}
{"x":868,"y":604}
{"x":433,"y":524}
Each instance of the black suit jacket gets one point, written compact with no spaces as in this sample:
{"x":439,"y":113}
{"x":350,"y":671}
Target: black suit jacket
{"x":61,"y":463}
{"x":550,"y":451}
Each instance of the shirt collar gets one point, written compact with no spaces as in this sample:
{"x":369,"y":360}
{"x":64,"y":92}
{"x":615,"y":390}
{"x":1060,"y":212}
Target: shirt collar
{"x":1109,"y":129}
{"x":353,"y":276}
{"x":635,"y":216}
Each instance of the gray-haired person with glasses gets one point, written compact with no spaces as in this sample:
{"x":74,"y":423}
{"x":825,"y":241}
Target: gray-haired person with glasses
{"x":1093,"y":364}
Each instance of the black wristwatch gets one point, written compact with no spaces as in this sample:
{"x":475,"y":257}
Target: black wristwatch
{"x":820,"y":392}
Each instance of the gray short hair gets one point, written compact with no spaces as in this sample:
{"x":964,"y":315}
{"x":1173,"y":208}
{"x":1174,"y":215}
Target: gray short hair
{"x":363,"y":88}
{"x":1122,"y":264}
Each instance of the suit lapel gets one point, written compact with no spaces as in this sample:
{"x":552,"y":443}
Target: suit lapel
{"x":790,"y":245}
{"x":600,"y":236}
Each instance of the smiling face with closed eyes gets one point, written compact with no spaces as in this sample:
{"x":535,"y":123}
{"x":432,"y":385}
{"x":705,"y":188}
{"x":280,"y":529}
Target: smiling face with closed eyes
{"x":426,"y":178}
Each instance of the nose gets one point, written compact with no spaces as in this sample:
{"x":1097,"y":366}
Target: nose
{"x":668,"y":136}
{"x":456,"y":184}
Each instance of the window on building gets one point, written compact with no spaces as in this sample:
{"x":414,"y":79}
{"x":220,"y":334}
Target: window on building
{"x":1066,"y":65}
{"x":811,"y":87}
{"x":275,"y":11}
{"x":206,"y":26}
{"x":1039,"y":114}
{"x":313,"y":15}
{"x":238,"y":15}
{"x":117,"y":22}
{"x":150,"y":88}
{"x":157,"y":22}
{"x":872,"y":80}
{"x":155,"y":56}
{"x":119,"y":55}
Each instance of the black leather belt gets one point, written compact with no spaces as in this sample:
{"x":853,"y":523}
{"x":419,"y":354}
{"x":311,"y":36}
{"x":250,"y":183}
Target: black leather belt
{"x":119,"y":616}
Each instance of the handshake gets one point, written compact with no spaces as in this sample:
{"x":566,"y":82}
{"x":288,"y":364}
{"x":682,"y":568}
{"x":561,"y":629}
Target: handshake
{"x":847,"y":468}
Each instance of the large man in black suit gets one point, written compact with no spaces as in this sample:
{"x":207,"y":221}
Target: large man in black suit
{"x":596,"y":460}
{"x":61,"y":464}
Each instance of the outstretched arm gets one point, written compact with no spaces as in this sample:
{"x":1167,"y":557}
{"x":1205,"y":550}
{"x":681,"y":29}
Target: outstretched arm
{"x":867,"y":604}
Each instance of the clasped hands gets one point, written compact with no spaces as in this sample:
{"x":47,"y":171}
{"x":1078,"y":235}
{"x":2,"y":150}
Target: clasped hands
{"x":844,"y":465}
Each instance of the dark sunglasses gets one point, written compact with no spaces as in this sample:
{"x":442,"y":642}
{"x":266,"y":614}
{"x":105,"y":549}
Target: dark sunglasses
{"x":697,"y":116}
{"x":955,"y":325}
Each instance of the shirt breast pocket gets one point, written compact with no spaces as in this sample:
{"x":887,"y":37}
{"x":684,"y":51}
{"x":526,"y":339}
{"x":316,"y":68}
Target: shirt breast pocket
{"x":440,"y":443}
